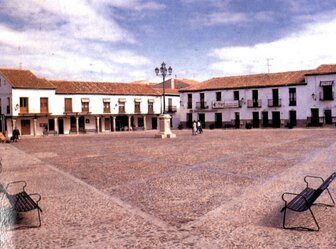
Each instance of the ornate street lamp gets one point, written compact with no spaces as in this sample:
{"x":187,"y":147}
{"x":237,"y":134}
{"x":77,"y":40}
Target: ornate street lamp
{"x":163,"y":71}
{"x":164,"y":119}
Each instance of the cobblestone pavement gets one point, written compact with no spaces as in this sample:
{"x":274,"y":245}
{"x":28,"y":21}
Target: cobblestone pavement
{"x":220,"y":189}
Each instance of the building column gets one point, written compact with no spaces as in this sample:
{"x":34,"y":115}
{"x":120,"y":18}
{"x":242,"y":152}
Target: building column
{"x":35,"y":122}
{"x":13,"y":126}
{"x":103,"y":124}
{"x":97,"y":124}
{"x":114,"y":123}
{"x":77,"y":125}
{"x":145,"y":122}
{"x":56,"y":125}
{"x":129,"y":122}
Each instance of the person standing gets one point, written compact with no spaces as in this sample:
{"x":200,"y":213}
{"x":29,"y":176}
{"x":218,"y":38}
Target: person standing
{"x":194,"y":128}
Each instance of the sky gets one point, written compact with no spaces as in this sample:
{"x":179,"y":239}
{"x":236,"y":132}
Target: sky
{"x":124,"y":40}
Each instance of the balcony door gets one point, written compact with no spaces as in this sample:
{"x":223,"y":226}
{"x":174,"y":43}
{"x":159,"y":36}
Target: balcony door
{"x":275,"y":95}
{"x":255,"y":99}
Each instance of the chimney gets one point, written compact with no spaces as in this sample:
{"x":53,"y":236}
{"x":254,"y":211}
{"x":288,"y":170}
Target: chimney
{"x":172,"y":83}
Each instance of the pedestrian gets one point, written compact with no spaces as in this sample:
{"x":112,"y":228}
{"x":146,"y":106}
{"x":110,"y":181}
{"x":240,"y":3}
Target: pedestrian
{"x":199,"y":127}
{"x":194,"y":128}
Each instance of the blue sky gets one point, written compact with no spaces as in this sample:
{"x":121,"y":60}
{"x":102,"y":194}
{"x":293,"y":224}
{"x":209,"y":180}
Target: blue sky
{"x":124,"y":40}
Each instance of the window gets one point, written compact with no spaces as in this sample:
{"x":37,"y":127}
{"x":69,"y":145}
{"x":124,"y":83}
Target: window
{"x":236,"y":95}
{"x":150,"y":106}
{"x":107,"y":107}
{"x":292,"y":96}
{"x":121,"y":107}
{"x":8,"y":105}
{"x":68,"y":105}
{"x":327,"y":90}
{"x":137,"y":107}
{"x":0,"y":107}
{"x":85,"y":105}
{"x":24,"y":105}
{"x":189,"y":101}
{"x":44,"y":105}
{"x":218,"y":96}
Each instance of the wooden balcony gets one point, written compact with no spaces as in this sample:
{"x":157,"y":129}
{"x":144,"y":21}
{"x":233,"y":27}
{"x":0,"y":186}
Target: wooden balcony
{"x":254,"y":103}
{"x":274,"y":102}
{"x":202,"y":105}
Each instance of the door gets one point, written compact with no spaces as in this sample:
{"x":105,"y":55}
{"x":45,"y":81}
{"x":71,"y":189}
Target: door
{"x":81,"y":123}
{"x":60,"y":126}
{"x":328,"y":116}
{"x":237,"y":120}
{"x":255,"y":120}
{"x":107,"y":123}
{"x":292,"y":118}
{"x":189,"y":120}
{"x":154,"y":123}
{"x":265,"y":119}
{"x":25,"y":127}
{"x":51,"y":124}
{"x":72,"y":124}
{"x":276,"y":122}
{"x":315,"y":117}
{"x":218,"y":120}
{"x":202,"y":99}
{"x":201,"y":118}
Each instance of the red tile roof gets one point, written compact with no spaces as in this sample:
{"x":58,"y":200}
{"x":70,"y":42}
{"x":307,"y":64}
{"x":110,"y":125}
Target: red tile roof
{"x":260,"y":80}
{"x":25,"y":79}
{"x":81,"y":87}
{"x":178,"y":83}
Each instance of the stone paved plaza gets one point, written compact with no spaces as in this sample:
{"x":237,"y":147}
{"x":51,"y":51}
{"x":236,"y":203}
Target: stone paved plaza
{"x":221,"y":189}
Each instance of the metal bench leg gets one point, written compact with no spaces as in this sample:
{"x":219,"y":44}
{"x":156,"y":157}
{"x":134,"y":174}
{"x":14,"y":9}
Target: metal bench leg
{"x":300,"y":228}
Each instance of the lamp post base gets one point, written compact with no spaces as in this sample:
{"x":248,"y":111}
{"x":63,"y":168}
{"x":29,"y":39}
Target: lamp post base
{"x":164,"y":125}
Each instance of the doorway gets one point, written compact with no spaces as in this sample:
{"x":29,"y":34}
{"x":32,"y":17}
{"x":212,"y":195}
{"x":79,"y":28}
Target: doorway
{"x":255,"y":119}
{"x":25,"y":127}
{"x":201,"y":118}
{"x":218,"y":120}
{"x":276,"y":122}
{"x":154,"y":123}
{"x":292,"y":118}
{"x":60,"y":126}
{"x":315,"y":121}
{"x":265,"y":119}
{"x":327,"y":116}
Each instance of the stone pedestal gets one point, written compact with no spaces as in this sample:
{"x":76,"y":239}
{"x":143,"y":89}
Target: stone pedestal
{"x":164,"y":125}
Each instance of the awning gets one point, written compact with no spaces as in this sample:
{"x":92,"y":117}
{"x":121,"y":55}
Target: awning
{"x":85,"y":100}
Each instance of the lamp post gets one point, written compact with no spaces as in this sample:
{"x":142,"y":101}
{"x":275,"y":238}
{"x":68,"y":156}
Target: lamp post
{"x":163,"y":71}
{"x":164,"y":119}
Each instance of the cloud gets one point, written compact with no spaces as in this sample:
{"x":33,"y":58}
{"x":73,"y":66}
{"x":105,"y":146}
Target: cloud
{"x":305,"y":49}
{"x":71,"y":39}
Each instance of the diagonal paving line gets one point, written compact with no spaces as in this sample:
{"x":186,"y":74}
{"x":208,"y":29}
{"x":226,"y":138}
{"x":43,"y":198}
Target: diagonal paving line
{"x":124,"y":205}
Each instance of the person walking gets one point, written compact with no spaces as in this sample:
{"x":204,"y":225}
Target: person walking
{"x":194,"y":128}
{"x":199,"y":127}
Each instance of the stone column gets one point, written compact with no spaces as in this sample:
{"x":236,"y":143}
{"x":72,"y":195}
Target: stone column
{"x":129,"y":123}
{"x":77,"y":125}
{"x":98,"y":124}
{"x":35,"y":122}
{"x":145,"y":122}
{"x":103,"y":124}
{"x":56,"y":125}
{"x":114,"y":123}
{"x":164,"y":126}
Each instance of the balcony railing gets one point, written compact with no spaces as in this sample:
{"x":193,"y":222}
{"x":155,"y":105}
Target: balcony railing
{"x":121,"y":110}
{"x":23,"y":109}
{"x":256,"y":103}
{"x":292,"y":102}
{"x":202,"y":105}
{"x":226,"y":104}
{"x":274,"y":102}
{"x":326,"y":97}
{"x":189,"y":106}
{"x":107,"y":110}
{"x":137,"y":110}
{"x":171,"y":108}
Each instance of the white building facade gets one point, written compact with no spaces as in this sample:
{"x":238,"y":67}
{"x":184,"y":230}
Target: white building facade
{"x":37,"y":106}
{"x":289,"y":99}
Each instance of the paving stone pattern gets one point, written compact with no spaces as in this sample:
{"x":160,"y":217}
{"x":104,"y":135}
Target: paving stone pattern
{"x":220,"y":189}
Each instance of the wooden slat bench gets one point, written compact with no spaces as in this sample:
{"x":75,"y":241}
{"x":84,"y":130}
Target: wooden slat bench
{"x":22,"y":201}
{"x":303,"y":201}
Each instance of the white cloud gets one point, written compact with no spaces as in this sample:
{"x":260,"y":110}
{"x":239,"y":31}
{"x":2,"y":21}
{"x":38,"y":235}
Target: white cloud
{"x":70,"y":39}
{"x":305,"y":49}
